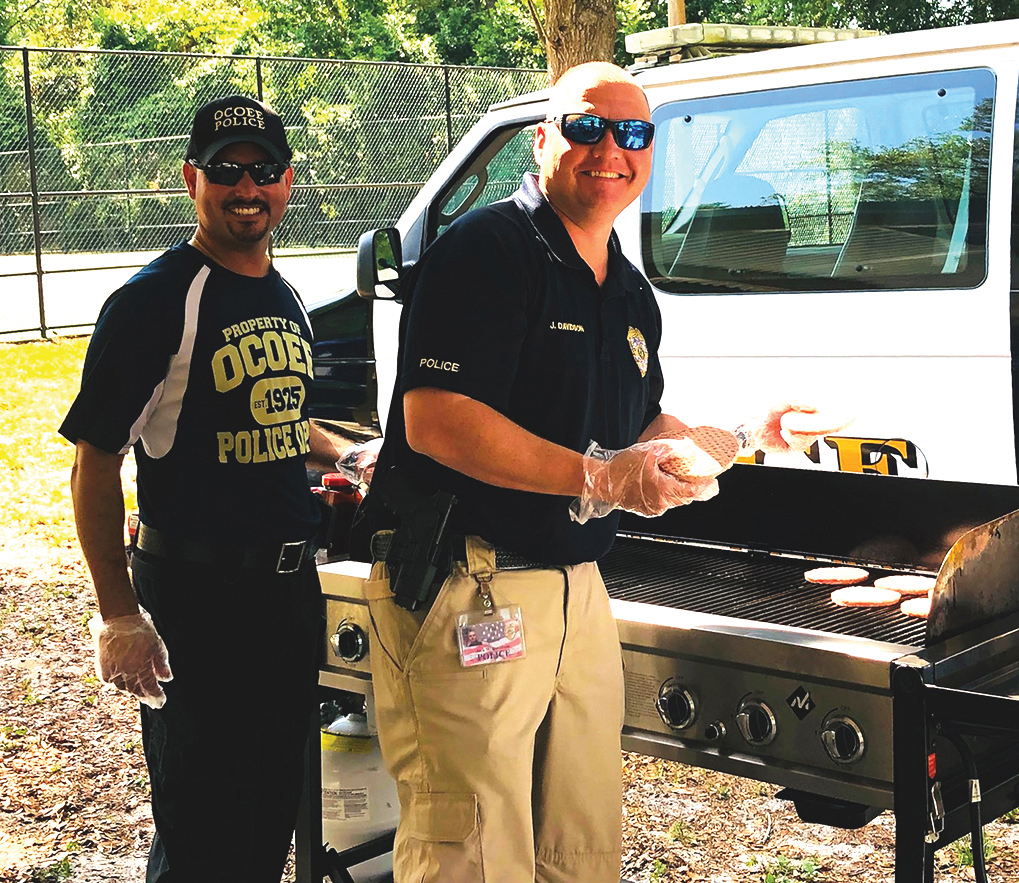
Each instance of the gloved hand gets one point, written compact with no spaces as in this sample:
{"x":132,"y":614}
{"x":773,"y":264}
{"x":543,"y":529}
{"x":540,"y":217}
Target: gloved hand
{"x":765,"y":433}
{"x":357,"y":463}
{"x":631,"y":479}
{"x":131,"y":656}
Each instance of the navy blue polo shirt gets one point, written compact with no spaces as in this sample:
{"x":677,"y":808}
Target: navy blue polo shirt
{"x":503,"y":309}
{"x":205,"y":373}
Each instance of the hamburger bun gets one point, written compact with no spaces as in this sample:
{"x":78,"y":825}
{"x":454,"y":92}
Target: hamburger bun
{"x":907,"y":584}
{"x":705,"y":452}
{"x":836,"y":576}
{"x":865,"y":596}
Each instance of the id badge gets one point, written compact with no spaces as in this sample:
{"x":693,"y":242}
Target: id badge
{"x":493,"y":637}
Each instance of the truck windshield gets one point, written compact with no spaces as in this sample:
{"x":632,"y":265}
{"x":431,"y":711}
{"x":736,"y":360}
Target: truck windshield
{"x":878,"y":183}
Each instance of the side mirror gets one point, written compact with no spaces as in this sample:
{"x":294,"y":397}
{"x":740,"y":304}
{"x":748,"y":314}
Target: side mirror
{"x":379,"y":263}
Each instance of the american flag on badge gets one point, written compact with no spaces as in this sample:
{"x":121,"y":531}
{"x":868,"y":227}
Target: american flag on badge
{"x":498,"y":640}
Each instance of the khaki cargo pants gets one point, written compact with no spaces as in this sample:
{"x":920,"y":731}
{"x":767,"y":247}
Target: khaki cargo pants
{"x":507,"y":772}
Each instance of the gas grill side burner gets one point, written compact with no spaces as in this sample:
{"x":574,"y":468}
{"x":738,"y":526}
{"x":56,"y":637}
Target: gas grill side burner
{"x":734,"y":663}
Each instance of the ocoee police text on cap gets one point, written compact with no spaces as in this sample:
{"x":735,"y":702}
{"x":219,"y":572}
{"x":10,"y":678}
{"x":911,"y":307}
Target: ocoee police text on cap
{"x":233,"y":119}
{"x":239,"y":116}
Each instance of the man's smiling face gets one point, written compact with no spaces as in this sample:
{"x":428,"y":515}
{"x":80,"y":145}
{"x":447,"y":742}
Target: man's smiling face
{"x":238,"y":217}
{"x":588,"y":182}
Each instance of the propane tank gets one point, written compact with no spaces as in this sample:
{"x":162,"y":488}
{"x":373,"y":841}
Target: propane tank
{"x":359,"y":799}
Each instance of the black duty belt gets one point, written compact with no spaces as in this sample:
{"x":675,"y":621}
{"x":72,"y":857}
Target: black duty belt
{"x":504,"y":560}
{"x":278,"y":558}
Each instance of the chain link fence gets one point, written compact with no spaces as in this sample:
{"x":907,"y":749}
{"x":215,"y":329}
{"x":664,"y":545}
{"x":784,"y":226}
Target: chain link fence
{"x":91,"y":144}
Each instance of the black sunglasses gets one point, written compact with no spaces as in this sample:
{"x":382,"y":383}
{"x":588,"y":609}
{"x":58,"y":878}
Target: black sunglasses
{"x":586,"y":128}
{"x":229,"y":173}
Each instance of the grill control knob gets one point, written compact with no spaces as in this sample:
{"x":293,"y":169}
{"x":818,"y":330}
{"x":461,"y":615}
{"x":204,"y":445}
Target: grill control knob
{"x":715,"y":731}
{"x":349,"y":642}
{"x":756,"y":722}
{"x":676,"y":705}
{"x":843,"y":739}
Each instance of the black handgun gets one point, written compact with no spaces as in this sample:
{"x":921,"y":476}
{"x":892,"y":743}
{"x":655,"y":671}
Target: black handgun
{"x":420,"y":548}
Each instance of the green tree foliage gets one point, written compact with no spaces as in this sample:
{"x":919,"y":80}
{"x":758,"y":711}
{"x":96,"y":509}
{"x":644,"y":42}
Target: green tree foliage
{"x":890,"y":16}
{"x":481,"y":32}
{"x":48,"y":22}
{"x":371,"y":30}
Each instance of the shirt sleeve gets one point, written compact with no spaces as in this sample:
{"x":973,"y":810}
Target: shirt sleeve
{"x":468,"y":310}
{"x":125,"y":365}
{"x":655,"y":375}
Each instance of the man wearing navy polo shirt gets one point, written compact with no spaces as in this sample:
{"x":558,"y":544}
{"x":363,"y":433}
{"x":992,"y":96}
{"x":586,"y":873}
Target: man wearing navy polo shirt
{"x":202,"y":363}
{"x":528,"y":335}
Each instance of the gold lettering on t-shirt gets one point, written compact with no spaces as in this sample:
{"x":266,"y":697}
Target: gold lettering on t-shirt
{"x":253,"y":365}
{"x":267,"y":444}
{"x":227,"y":368}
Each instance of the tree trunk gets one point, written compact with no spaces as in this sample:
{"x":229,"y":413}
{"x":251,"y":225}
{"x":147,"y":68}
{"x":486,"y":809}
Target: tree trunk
{"x":578,"y":31}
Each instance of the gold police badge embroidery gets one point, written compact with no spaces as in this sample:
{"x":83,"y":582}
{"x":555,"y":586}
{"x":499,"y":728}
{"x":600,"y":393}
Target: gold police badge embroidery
{"x":638,"y":346}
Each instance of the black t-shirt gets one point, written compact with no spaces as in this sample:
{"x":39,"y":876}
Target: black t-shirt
{"x":205,"y":372}
{"x":503,"y":309}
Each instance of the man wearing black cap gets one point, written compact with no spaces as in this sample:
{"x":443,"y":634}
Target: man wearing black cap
{"x":202,"y":363}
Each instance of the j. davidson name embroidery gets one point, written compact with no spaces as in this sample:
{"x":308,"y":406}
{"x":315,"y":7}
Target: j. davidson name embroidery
{"x":566,"y":326}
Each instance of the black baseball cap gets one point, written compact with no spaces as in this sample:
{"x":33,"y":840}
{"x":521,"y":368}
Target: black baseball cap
{"x":233,"y":119}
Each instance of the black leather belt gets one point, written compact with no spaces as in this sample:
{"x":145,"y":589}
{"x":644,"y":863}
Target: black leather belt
{"x":278,"y":558}
{"x":504,"y":560}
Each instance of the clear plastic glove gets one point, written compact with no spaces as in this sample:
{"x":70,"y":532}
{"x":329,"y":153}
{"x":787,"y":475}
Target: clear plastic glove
{"x":764,"y":433}
{"x":631,"y":479}
{"x":131,"y":656}
{"x":358,"y":463}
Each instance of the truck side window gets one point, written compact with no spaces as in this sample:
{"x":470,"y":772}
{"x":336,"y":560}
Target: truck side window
{"x":877,"y":183}
{"x":493,"y":174}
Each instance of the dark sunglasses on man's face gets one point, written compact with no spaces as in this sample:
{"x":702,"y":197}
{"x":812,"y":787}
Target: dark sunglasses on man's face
{"x":229,"y":173}
{"x":586,"y":128}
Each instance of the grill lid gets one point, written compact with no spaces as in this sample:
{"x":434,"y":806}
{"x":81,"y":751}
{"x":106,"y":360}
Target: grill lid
{"x":978,"y":581}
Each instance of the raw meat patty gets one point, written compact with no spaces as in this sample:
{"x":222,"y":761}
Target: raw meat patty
{"x":907,"y":584}
{"x":916,"y":607}
{"x":865,"y":596}
{"x":706,"y":452}
{"x":800,"y":428}
{"x":836,"y":576}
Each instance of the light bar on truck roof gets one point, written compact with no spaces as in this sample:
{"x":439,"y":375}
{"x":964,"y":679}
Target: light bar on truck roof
{"x":735,"y":38}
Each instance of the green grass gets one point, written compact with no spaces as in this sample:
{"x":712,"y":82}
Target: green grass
{"x":40,"y":381}
{"x":964,"y":851}
{"x":680,"y":833}
{"x":785,"y":870}
{"x":54,"y":873}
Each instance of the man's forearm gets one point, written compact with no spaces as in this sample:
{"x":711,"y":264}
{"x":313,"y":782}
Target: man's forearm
{"x":472,"y":438}
{"x":663,"y":425}
{"x":324,"y":448}
{"x":99,"y":518}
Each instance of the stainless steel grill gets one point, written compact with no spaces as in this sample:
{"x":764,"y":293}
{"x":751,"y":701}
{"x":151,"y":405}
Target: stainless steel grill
{"x":732,"y":661}
{"x":745,"y":585}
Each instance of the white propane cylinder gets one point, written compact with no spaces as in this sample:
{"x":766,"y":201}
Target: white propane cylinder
{"x":359,"y":799}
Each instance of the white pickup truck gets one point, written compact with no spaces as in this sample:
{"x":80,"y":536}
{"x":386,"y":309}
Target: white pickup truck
{"x":820,"y":223}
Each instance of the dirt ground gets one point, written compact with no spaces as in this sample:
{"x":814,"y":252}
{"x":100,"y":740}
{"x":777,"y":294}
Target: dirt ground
{"x":74,"y":791}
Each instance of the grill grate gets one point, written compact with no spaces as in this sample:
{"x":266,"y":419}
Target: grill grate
{"x":754,"y":586}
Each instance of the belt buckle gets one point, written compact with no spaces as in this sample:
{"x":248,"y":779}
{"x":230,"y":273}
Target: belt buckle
{"x":291,"y":556}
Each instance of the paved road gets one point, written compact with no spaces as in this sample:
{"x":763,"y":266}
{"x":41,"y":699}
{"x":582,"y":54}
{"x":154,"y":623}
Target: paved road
{"x":76,"y":285}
